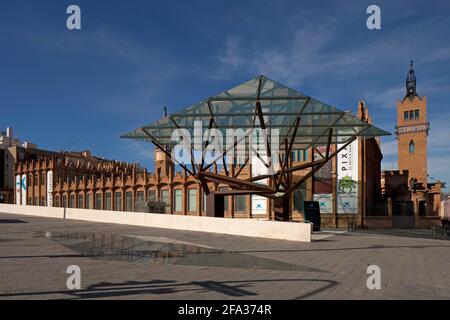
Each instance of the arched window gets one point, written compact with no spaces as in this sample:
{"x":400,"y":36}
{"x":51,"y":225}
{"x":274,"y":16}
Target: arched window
{"x":411,"y":147}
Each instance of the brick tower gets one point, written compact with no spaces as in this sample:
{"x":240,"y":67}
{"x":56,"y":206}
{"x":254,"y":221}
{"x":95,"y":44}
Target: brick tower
{"x":412,"y":132}
{"x":164,"y":166}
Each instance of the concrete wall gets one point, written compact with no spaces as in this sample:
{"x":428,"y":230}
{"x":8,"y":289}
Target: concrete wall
{"x":33,"y":211}
{"x":243,"y":227}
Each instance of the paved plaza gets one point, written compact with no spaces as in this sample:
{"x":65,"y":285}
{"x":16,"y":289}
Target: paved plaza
{"x":128,"y":262}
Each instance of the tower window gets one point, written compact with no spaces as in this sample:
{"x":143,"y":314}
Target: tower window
{"x":411,"y":147}
{"x":416,"y":114}
{"x":411,"y":115}
{"x":406,"y":115}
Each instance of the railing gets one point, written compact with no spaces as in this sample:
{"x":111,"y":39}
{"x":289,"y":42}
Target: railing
{"x":441,"y":232}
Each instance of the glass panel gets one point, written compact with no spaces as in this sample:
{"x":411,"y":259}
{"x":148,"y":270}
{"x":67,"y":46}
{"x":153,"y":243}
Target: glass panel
{"x":300,"y":196}
{"x":108,"y":201}
{"x":294,"y":156}
{"x":165,"y":198}
{"x":72,"y":201}
{"x":178,"y":200}
{"x":89,"y":201}
{"x":128,"y":201}
{"x":240,"y":203}
{"x":140,"y":198}
{"x":118,"y":201}
{"x":98,"y":201}
{"x":80,"y":201}
{"x":248,"y":89}
{"x":225,"y":199}
{"x":192,"y":200}
{"x":235,"y":108}
{"x":204,"y":202}
{"x":152,"y":195}
{"x":411,"y":147}
{"x":416,"y":114}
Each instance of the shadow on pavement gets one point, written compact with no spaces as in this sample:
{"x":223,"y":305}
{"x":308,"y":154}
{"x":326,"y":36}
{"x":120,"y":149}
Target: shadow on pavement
{"x":237,"y":288}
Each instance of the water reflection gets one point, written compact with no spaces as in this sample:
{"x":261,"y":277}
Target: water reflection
{"x":160,"y":250}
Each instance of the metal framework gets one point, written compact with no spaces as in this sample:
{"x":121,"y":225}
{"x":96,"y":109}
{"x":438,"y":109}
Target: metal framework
{"x":303,"y":122}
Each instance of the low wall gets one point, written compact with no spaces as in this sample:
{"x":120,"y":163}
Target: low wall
{"x":243,"y":227}
{"x":428,"y":222}
{"x":33,"y":211}
{"x":374,"y":222}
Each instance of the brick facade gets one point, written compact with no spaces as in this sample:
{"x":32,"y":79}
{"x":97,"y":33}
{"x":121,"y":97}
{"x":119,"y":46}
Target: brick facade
{"x":408,"y":193}
{"x":412,"y":133}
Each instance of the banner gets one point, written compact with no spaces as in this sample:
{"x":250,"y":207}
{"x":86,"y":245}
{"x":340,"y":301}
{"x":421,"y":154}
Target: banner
{"x":50,"y":189}
{"x":347,"y":179}
{"x":18,"y":188}
{"x":259,"y":203}
{"x":323,"y":183}
{"x":325,"y":202}
{"x":24,"y":189}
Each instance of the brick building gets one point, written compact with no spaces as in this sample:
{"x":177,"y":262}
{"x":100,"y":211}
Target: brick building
{"x":413,"y":200}
{"x":347,"y":187}
{"x":12,"y":150}
{"x":79,"y":180}
{"x":48,"y":178}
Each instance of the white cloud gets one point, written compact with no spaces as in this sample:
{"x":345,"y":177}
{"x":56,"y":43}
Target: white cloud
{"x":229,"y":61}
{"x":384,"y":98}
{"x":102,"y":41}
{"x":232,"y":55}
{"x":310,"y":50}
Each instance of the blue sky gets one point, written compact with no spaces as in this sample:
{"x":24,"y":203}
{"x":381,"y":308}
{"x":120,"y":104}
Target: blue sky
{"x":82,"y":89}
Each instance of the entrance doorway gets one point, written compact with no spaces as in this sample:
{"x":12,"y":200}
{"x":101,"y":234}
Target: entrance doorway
{"x":403,"y":215}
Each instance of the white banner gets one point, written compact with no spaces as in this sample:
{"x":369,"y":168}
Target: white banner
{"x":18,"y":188}
{"x":325,"y":202}
{"x":323,"y":178}
{"x":347,"y":179}
{"x":50,"y":189}
{"x":259,"y":203}
{"x":24,"y":189}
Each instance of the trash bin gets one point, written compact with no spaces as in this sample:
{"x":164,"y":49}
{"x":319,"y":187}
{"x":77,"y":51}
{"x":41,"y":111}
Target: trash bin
{"x":312,"y":213}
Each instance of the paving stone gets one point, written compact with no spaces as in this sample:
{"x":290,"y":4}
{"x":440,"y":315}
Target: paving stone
{"x":34,"y":267}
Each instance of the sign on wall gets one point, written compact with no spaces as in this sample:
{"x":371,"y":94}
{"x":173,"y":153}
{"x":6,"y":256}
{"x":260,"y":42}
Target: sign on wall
{"x":23,"y":183}
{"x":411,"y":129}
{"x":50,"y":189}
{"x":18,"y":188}
{"x":325,"y":202}
{"x":347,"y":179}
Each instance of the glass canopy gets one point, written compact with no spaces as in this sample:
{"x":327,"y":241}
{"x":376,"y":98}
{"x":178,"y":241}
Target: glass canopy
{"x":280,"y":108}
